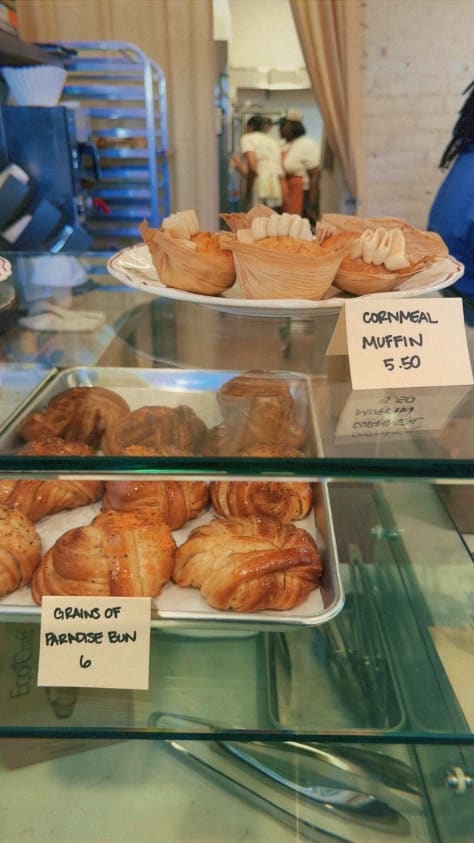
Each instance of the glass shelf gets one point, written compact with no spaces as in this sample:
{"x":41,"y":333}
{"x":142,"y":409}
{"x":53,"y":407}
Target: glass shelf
{"x":371,"y":435}
{"x":357,"y":676}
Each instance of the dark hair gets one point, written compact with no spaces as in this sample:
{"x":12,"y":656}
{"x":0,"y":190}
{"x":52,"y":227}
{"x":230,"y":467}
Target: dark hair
{"x":297,"y":128}
{"x":463,"y":132}
{"x":256,"y":122}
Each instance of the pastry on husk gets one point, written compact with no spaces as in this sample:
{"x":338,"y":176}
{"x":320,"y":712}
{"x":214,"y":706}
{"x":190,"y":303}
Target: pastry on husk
{"x":186,"y":258}
{"x":277,"y":258}
{"x":239,"y":219}
{"x":386,"y":251}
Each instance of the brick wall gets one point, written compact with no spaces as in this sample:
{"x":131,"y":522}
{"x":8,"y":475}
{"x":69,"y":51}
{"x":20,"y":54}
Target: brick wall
{"x":417,"y":58}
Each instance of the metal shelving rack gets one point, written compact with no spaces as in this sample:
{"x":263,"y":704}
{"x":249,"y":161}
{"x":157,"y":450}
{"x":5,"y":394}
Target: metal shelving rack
{"x":122,"y":97}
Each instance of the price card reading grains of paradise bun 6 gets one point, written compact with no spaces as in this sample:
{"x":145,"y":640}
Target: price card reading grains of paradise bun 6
{"x":95,"y":642}
{"x":403,"y":342}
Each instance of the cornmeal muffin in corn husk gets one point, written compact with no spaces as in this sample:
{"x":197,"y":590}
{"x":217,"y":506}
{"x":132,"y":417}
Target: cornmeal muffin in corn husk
{"x":187,"y":258}
{"x":277,"y":258}
{"x":359,"y":273}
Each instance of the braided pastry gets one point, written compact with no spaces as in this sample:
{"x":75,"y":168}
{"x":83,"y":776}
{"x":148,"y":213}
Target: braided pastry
{"x":20,"y":550}
{"x":287,"y":500}
{"x":81,"y":413}
{"x":265,"y":421}
{"x":122,"y":554}
{"x":248,"y":564}
{"x":240,"y":391}
{"x":37,"y":498}
{"x":156,"y":428}
{"x":175,"y":502}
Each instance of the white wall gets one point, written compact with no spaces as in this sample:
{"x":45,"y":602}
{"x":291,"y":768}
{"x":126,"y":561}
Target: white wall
{"x":417,"y":58}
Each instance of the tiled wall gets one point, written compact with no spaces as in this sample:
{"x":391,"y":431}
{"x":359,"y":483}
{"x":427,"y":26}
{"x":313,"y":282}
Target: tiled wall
{"x":417,"y":58}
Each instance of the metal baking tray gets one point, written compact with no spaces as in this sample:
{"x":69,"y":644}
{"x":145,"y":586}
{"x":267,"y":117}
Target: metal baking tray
{"x":19,"y":385}
{"x":197,"y":389}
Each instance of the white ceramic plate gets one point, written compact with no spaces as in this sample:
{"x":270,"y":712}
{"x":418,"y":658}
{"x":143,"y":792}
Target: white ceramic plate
{"x":134,"y":268}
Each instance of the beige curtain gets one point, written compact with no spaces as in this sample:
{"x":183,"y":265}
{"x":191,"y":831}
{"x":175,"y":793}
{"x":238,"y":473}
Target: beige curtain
{"x":177,"y":34}
{"x":329,"y":33}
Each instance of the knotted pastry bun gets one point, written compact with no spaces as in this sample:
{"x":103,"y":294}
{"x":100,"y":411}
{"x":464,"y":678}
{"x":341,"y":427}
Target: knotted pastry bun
{"x":240,"y":391}
{"x":156,"y":428}
{"x":120,"y":554}
{"x":286,"y":500}
{"x":20,"y":550}
{"x":258,"y":409}
{"x":267,"y":421}
{"x":249,"y":564}
{"x":37,"y":498}
{"x":81,"y":414}
{"x":272,"y":421}
{"x":174,"y":502}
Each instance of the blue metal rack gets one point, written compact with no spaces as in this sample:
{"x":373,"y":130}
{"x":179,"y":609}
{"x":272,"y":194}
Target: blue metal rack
{"x":119,"y":95}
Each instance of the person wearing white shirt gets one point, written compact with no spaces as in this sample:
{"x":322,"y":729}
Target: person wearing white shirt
{"x":260,"y":164}
{"x":300,"y":156}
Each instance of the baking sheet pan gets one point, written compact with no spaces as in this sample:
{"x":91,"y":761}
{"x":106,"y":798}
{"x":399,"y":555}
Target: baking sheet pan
{"x":197,"y":389}
{"x":18,"y":387}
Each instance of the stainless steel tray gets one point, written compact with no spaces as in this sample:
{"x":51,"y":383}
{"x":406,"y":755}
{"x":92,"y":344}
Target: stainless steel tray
{"x":197,"y":389}
{"x":19,"y":385}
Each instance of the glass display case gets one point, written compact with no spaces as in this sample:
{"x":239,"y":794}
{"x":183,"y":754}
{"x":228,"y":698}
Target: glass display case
{"x":352,"y":721}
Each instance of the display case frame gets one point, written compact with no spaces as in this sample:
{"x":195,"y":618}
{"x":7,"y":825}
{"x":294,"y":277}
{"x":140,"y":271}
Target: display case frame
{"x":406,"y":570}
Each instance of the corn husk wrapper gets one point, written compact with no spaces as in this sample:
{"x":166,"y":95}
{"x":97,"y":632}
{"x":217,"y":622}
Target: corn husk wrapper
{"x":354,"y":276}
{"x":183,"y":268}
{"x":239,"y":220}
{"x":265,"y":274}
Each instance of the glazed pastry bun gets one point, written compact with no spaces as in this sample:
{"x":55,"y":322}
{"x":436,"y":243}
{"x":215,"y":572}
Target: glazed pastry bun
{"x":120,"y":554}
{"x":20,"y":550}
{"x":249,"y":564}
{"x":81,"y":413}
{"x":37,"y":498}
{"x":174,"y":501}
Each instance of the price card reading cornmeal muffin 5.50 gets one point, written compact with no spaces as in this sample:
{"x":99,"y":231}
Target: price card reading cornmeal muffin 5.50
{"x":404,"y":342}
{"x":95,"y":642}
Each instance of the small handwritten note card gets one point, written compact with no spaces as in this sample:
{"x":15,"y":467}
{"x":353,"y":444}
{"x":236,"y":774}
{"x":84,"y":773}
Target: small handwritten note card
{"x":403,"y":342}
{"x":94,"y":642}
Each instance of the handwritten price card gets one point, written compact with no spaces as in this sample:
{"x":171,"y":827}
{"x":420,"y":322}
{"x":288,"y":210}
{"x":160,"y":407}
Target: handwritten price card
{"x":403,"y":342}
{"x":94,"y":642}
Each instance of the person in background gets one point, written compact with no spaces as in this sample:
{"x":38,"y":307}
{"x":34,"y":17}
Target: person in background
{"x":260,"y":164}
{"x":300,"y":161}
{"x":452,"y":211}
